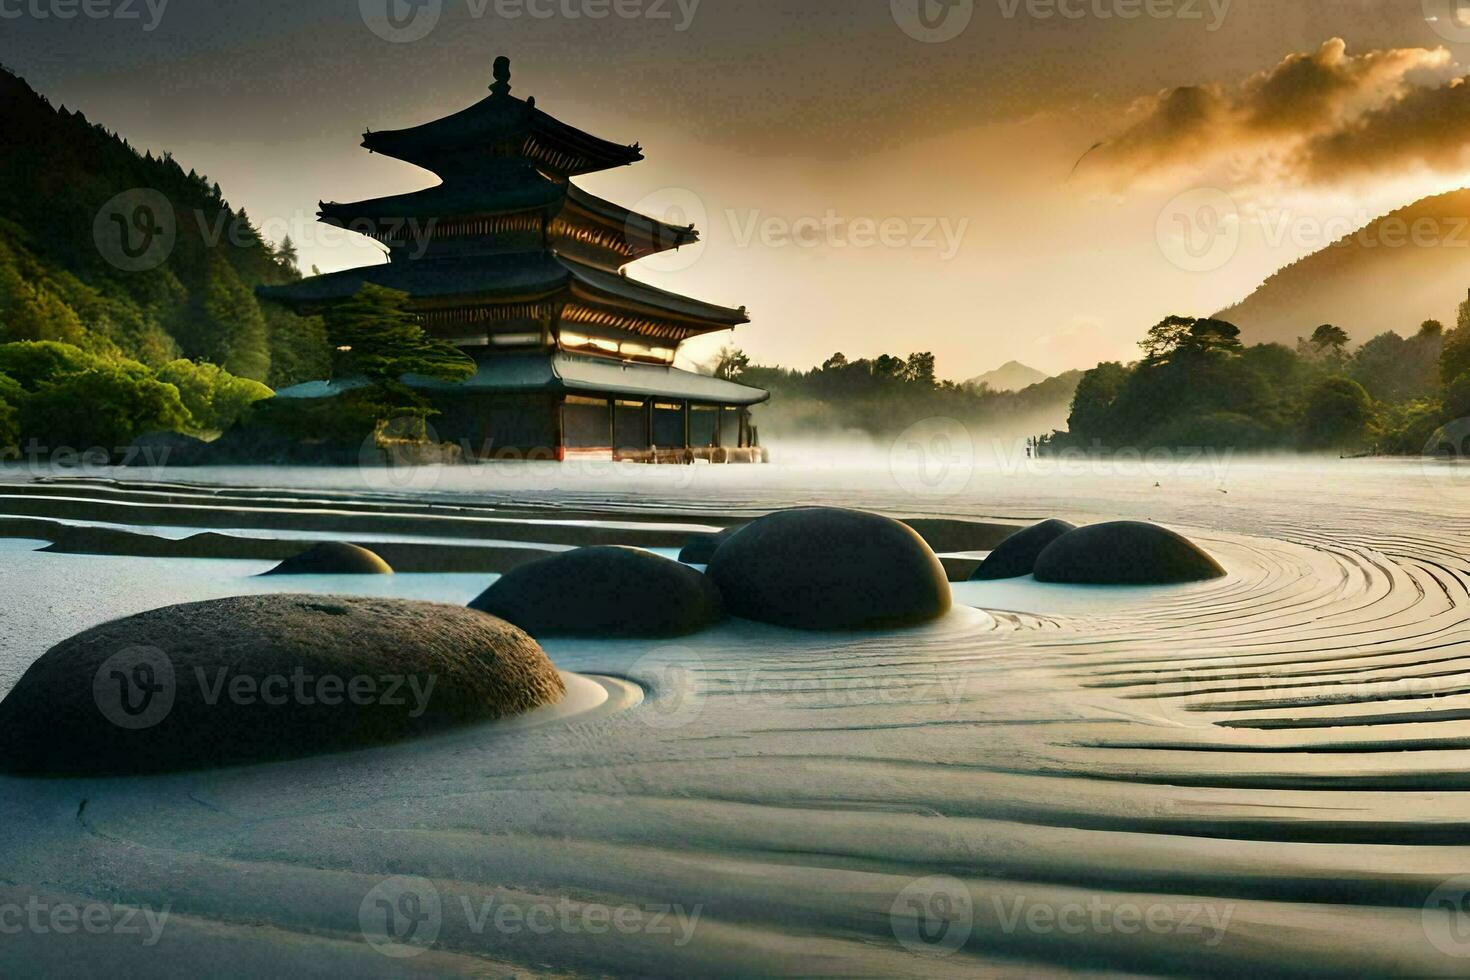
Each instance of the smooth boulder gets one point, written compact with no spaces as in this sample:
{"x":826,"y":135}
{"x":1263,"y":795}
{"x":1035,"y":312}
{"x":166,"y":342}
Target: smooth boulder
{"x":333,"y":558}
{"x":604,"y":592}
{"x":700,"y":548}
{"x":257,"y":678}
{"x":825,"y":568}
{"x":1016,"y":555}
{"x":1125,"y":553}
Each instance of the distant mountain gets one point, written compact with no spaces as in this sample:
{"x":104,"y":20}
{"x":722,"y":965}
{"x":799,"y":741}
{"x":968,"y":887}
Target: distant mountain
{"x":1404,"y":268}
{"x":127,"y":254}
{"x":1012,"y":376}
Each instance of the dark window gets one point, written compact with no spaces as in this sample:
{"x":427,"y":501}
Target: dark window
{"x":704,"y":423}
{"x":586,"y":423}
{"x":668,"y":425}
{"x":631,"y":428}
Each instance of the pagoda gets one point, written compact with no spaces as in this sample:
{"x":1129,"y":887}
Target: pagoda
{"x":511,"y":262}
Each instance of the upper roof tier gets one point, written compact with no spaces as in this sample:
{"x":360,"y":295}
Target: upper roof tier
{"x":501,"y":125}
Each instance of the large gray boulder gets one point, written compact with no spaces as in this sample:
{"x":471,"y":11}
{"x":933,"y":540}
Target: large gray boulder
{"x":255,"y":678}
{"x":604,"y":592}
{"x":1016,"y":555}
{"x":1125,"y":553}
{"x":333,"y":558}
{"x":824,"y":568}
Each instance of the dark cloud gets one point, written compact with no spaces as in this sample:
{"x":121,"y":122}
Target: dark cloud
{"x":1315,"y":114}
{"x":1428,"y":129}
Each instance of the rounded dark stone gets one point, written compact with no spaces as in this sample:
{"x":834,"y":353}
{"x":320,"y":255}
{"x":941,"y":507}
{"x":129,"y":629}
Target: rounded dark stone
{"x":824,"y":568}
{"x":1125,"y":553}
{"x":333,"y":558}
{"x":605,"y":591}
{"x":256,"y":678}
{"x":700,"y":548}
{"x":1016,"y":555}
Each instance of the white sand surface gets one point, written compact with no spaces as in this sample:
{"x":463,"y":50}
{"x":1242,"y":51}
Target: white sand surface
{"x":1259,"y":775}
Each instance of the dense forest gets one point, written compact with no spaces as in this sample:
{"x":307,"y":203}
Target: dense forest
{"x":1197,"y":386}
{"x":882,"y":396}
{"x":61,"y":281}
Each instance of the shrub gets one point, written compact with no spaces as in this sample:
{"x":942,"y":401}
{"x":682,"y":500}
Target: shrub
{"x":107,"y":406}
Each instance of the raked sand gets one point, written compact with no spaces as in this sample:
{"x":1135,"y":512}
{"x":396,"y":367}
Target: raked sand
{"x":1266,"y":773}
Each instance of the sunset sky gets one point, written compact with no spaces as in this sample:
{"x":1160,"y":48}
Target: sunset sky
{"x":864,"y":183}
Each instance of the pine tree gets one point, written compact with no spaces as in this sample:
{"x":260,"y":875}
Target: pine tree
{"x":378,"y":339}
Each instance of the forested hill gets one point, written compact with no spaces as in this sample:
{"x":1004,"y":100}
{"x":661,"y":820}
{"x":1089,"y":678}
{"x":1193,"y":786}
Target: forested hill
{"x":1401,"y":269}
{"x":169,"y":270}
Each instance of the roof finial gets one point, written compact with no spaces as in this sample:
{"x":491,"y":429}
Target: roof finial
{"x":501,"y":87}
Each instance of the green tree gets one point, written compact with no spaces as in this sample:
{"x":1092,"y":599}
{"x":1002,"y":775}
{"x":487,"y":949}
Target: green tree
{"x":377,"y":338}
{"x":1092,"y":404}
{"x":1454,"y":358}
{"x":1338,"y":415}
{"x":11,"y":397}
{"x":919,"y":369}
{"x":731,"y":363}
{"x":32,"y":363}
{"x":214,"y":398}
{"x":1176,"y":335}
{"x":105,"y":406}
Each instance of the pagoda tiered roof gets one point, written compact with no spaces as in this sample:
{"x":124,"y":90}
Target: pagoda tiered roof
{"x":501,"y":125}
{"x":506,"y":250}
{"x":459,"y":207}
{"x":610,"y":300}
